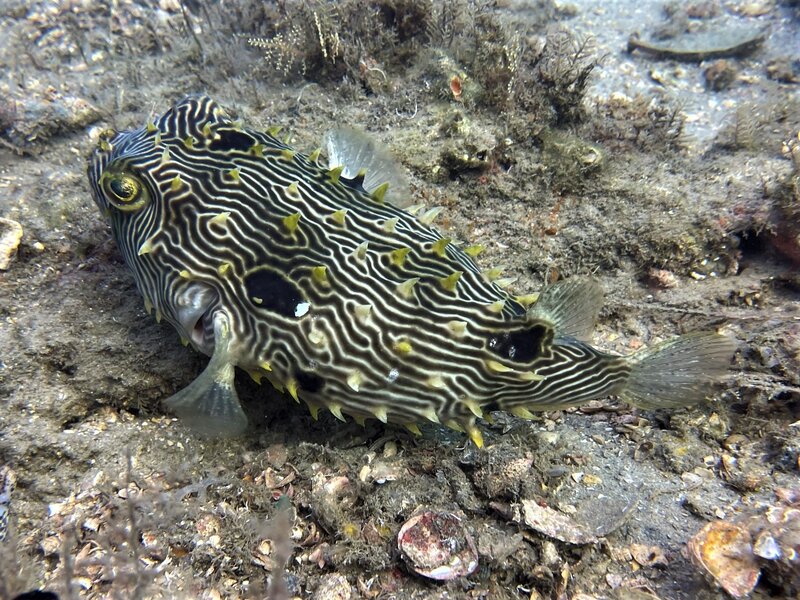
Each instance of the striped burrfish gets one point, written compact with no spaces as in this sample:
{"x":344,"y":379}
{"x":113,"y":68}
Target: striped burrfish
{"x":316,"y":278}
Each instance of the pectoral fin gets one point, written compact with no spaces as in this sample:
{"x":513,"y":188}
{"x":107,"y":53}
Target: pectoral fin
{"x":209,"y":404}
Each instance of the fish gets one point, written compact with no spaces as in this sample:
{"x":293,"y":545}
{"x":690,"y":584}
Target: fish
{"x":8,"y":482}
{"x":315,"y":276}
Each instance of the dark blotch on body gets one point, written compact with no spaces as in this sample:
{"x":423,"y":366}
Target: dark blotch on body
{"x":275,"y":292}
{"x":308,"y":381}
{"x":230,"y":139}
{"x":522,"y":345}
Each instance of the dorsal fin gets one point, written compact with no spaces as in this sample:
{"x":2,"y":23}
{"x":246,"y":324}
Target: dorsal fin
{"x":361,"y":155}
{"x":572,"y":306}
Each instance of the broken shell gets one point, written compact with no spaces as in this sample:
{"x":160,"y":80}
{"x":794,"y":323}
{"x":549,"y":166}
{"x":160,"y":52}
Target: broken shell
{"x":333,"y":586}
{"x":10,"y":237}
{"x":648,"y":556}
{"x":698,"y":46}
{"x":438,"y":546}
{"x":662,"y":278}
{"x":766,"y":547}
{"x":553,"y":523}
{"x":455,"y":87}
{"x":724,"y":551}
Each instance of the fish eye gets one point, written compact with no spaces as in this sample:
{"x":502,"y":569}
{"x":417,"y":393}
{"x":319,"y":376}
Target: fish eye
{"x":124,"y":191}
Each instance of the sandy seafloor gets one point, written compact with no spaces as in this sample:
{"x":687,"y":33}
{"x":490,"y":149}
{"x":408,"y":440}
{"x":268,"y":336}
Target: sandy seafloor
{"x":116,"y":499}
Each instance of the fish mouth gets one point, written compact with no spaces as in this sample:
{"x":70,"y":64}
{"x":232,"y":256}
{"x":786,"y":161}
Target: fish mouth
{"x":196,"y":305}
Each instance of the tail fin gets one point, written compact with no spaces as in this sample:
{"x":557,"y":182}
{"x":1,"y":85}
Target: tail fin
{"x":678,"y":372}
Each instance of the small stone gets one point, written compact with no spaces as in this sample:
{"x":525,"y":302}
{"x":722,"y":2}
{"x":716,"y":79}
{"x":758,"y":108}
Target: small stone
{"x":10,"y":237}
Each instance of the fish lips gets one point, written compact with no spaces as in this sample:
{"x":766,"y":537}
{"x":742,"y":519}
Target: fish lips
{"x":195,"y":308}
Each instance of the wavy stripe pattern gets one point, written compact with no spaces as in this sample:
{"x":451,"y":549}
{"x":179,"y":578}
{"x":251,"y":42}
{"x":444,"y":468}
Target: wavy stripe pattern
{"x":364,"y":310}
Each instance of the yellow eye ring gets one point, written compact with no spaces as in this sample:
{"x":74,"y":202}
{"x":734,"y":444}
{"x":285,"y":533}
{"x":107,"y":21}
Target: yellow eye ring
{"x":124,"y":191}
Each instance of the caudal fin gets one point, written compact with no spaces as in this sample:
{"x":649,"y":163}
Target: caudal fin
{"x":678,"y":372}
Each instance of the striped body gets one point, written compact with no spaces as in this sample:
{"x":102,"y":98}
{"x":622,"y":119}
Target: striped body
{"x":347,"y":302}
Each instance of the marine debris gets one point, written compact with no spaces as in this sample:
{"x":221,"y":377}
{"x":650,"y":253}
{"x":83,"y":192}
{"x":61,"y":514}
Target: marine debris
{"x":700,"y":46}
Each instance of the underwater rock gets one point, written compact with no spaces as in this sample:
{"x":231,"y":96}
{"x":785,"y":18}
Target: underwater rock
{"x":10,"y":237}
{"x":437,"y":545}
{"x":695,"y":47}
